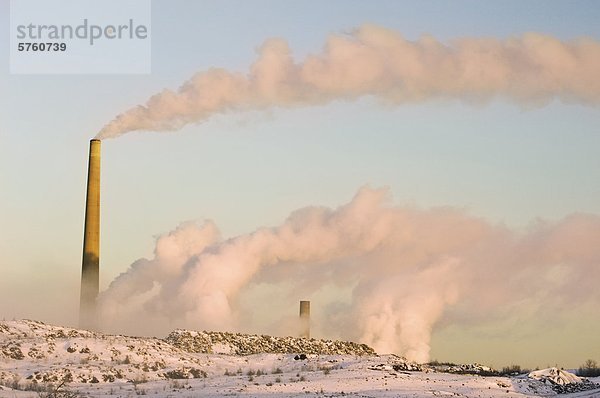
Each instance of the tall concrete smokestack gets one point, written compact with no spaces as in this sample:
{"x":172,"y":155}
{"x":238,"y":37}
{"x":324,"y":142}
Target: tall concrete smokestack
{"x":90,"y":268}
{"x":305,"y":319}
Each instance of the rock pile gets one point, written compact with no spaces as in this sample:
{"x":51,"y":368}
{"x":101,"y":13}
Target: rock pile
{"x":472,"y":368}
{"x":555,"y":376}
{"x":401,"y":364}
{"x":563,"y":382}
{"x":469,"y":368}
{"x":569,"y":388}
{"x":248,"y":344}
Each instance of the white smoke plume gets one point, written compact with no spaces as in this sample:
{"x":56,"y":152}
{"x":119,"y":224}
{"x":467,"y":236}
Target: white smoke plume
{"x":532,"y":69}
{"x":406,"y":268}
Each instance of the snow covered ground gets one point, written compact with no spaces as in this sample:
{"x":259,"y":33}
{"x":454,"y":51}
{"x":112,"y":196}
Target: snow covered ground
{"x":33,"y":354}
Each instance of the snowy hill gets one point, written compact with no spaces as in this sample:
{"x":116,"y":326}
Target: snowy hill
{"x":87,"y":357}
{"x":38,"y":357}
{"x":44,"y":353}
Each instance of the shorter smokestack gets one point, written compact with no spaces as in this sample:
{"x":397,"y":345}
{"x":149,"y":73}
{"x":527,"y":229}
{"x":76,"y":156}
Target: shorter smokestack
{"x":305,"y":319}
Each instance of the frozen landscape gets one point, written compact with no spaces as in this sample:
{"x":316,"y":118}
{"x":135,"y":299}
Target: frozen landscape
{"x":40,"y":360}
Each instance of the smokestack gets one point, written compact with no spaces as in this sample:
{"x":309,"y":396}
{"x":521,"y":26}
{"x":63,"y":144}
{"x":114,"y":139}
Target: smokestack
{"x":90,"y":268}
{"x":305,"y":319}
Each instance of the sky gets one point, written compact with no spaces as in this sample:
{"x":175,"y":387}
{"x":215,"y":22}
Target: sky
{"x":510,"y":164}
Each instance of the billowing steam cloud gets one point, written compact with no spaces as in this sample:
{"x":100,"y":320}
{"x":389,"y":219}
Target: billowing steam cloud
{"x":407,"y":269}
{"x":374,"y":61}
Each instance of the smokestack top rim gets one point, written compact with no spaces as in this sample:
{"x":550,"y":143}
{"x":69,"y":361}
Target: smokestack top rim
{"x":94,"y":139}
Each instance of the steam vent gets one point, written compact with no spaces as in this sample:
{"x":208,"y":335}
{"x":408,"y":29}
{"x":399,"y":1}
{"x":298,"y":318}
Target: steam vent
{"x":305,"y":319}
{"x":90,"y":268}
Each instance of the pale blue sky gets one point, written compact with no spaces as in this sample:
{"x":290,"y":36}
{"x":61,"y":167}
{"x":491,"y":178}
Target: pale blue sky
{"x":499,"y":161}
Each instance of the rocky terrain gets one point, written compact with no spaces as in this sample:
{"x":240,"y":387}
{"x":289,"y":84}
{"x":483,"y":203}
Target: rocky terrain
{"x":40,"y":360}
{"x":247,"y":344}
{"x":87,"y":357}
{"x":42,"y":353}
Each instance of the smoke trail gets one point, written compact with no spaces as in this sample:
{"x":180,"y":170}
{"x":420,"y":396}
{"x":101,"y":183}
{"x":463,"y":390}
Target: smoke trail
{"x":374,"y":61}
{"x":406,"y":269}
